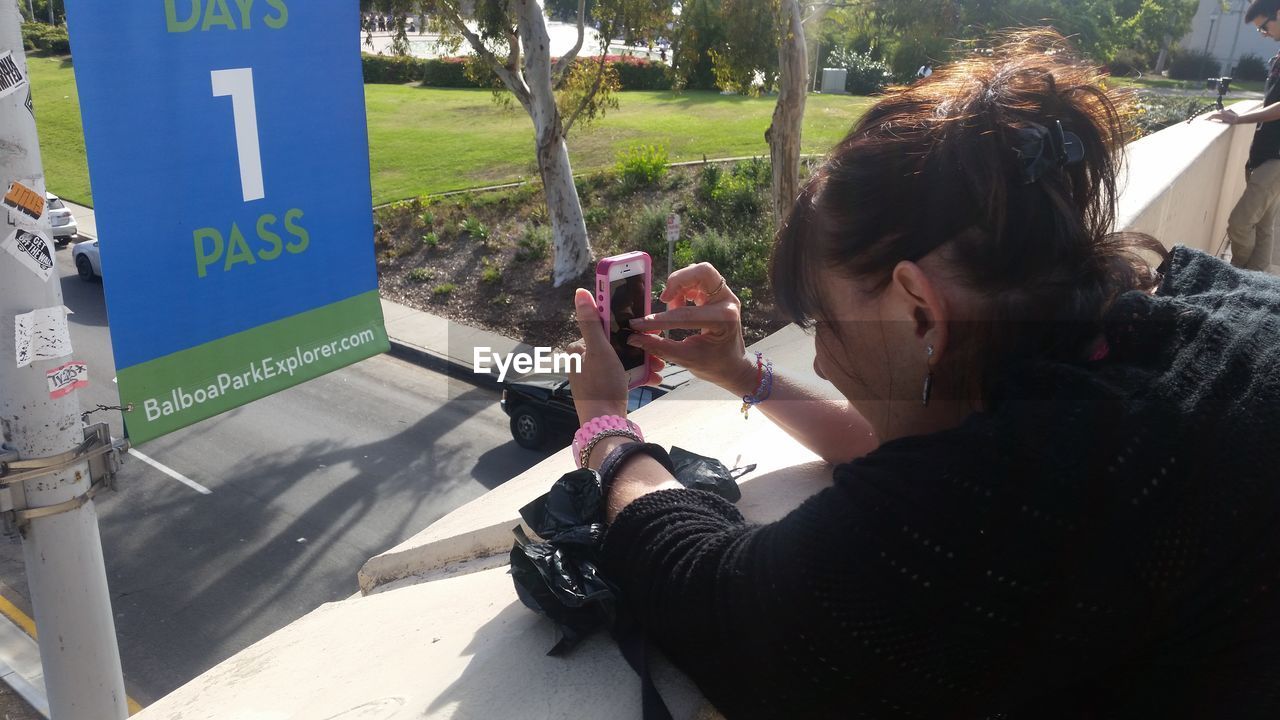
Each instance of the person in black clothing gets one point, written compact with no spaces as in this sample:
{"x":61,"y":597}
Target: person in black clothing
{"x":1055,"y":492}
{"x":1252,"y":221}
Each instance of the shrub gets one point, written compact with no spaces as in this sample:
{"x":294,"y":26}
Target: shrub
{"x":649,"y":230}
{"x":391,"y":69}
{"x":431,"y":240}
{"x":639,"y":74}
{"x":1128,"y":63}
{"x":535,"y":244}
{"x":867,"y":75}
{"x":1250,"y":67}
{"x":743,"y":257}
{"x":420,"y":275}
{"x":46,"y":38}
{"x":490,"y":272}
{"x":736,"y":196}
{"x":1157,"y":112}
{"x":708,"y":178}
{"x":596,"y":216}
{"x":1193,"y":65}
{"x":642,"y":165}
{"x":427,"y":218}
{"x":475,"y":229}
{"x":443,"y":289}
{"x":447,"y":72}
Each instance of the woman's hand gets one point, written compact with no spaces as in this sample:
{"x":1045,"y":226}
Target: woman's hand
{"x":601,"y":386}
{"x":717,"y":353}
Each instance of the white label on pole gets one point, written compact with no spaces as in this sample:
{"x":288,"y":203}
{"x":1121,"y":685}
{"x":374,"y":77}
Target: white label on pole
{"x":10,"y":76}
{"x":41,"y":335}
{"x":673,"y":227}
{"x":65,"y":378}
{"x":33,"y":250}
{"x":238,"y":83}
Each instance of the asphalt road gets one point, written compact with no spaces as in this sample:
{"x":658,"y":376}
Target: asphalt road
{"x":305,"y":486}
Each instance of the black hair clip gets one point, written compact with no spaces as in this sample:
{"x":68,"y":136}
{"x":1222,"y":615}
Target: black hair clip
{"x":1041,"y":149}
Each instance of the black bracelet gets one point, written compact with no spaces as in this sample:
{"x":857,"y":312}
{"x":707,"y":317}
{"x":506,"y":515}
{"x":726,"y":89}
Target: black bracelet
{"x":614,"y":460}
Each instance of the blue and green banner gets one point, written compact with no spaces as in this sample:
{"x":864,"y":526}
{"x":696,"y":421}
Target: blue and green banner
{"x":230,"y":168}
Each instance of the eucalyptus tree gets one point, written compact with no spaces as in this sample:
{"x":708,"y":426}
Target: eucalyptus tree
{"x":510,"y":38}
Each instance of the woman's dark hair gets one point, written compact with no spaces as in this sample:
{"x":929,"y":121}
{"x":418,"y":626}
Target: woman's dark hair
{"x":933,"y":165}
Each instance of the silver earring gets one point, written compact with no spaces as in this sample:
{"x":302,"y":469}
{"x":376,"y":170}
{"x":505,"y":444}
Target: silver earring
{"x":928,"y":378}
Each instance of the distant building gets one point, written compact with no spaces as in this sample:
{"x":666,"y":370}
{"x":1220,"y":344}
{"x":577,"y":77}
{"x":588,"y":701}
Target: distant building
{"x":1226,"y":35}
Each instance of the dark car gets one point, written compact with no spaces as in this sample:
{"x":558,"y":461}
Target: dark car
{"x":541,"y":405}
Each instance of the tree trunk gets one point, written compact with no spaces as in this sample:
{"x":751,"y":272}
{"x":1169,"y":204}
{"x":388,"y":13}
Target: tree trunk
{"x":1164,"y":55}
{"x":568,"y":229}
{"x":783,"y":134}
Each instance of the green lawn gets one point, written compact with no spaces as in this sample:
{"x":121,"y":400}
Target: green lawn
{"x":428,"y":140}
{"x":53,"y":91}
{"x":1157,"y":82}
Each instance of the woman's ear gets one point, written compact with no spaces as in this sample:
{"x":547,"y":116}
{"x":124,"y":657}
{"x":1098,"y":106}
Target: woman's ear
{"x":920,"y":301}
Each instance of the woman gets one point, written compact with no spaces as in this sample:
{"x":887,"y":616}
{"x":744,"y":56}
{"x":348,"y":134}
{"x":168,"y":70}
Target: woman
{"x":1057,"y":495}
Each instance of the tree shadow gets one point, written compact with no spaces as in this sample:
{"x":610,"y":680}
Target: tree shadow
{"x":297,"y":561}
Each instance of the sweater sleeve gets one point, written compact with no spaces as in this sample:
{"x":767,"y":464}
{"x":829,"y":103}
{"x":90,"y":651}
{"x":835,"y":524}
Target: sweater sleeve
{"x":842,"y":605}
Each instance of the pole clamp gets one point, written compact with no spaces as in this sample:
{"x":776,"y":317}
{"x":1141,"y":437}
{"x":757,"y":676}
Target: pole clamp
{"x":103,"y":454}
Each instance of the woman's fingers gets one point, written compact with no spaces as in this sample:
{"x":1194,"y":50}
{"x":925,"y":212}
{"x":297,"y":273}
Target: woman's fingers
{"x":700,"y":284}
{"x":689,"y":317}
{"x":584,"y":307}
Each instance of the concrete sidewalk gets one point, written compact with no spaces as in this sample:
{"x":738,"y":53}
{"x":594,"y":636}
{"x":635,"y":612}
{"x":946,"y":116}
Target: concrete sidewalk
{"x":441,"y":344}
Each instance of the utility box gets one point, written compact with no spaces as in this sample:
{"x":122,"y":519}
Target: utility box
{"x":833,"y":80}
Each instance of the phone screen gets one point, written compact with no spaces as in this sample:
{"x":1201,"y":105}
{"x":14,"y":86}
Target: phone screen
{"x":626,"y":302}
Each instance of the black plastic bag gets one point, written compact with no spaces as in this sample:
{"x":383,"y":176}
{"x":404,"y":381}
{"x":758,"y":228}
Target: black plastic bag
{"x":699,"y":472}
{"x":558,"y":576}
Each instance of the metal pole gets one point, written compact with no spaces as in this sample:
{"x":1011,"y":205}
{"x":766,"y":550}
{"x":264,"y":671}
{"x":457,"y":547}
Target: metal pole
{"x":1212,"y":19}
{"x":63,"y":552}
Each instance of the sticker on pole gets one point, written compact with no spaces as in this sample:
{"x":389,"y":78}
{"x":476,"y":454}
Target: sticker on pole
{"x":65,"y":378}
{"x":240,"y":257}
{"x":41,"y":335}
{"x":33,"y":250}
{"x":10,"y":76}
{"x":24,"y":200}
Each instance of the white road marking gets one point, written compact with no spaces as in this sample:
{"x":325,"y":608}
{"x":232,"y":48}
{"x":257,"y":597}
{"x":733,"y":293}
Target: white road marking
{"x":172,"y":473}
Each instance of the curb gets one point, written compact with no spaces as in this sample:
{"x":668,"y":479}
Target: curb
{"x":445,"y":365}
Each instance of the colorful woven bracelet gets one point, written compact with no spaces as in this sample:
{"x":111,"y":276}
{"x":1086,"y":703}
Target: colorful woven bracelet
{"x":764,"y":387}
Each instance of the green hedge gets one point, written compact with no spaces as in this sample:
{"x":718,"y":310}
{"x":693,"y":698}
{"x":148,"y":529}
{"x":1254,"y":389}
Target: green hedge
{"x":393,"y":70}
{"x":634,"y":73}
{"x":447,"y":72}
{"x":47,"y":38}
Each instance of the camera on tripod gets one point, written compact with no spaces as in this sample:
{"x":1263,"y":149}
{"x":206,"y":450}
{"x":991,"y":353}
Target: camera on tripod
{"x":1221,"y":85}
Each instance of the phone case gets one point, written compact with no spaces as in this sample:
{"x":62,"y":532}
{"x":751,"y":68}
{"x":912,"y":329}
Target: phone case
{"x":636,"y":376}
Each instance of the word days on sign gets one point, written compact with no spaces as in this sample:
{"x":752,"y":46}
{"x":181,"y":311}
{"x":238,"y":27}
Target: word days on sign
{"x":65,"y":378}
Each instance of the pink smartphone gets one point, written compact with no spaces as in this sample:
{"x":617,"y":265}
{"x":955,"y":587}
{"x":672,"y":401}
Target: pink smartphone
{"x":624,"y":285}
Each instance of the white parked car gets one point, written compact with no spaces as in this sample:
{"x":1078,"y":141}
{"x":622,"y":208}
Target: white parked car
{"x":60,"y":217}
{"x":88,"y":262}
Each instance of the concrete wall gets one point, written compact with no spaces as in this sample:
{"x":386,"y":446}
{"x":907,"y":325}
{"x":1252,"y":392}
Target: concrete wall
{"x":440,"y":633}
{"x":1181,"y":183}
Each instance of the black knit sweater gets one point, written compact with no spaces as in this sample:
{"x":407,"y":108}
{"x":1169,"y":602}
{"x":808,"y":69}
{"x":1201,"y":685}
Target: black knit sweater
{"x":1104,"y":542}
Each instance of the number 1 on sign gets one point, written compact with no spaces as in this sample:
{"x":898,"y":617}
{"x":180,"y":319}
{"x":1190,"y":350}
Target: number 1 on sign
{"x":238,"y":83}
